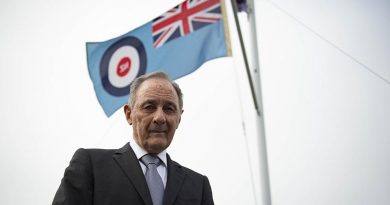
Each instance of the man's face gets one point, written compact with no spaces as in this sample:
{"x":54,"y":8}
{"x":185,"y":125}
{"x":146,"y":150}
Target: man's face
{"x":155,"y":115}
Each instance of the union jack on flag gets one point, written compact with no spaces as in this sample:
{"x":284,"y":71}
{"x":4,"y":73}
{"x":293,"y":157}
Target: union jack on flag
{"x":185,"y":18}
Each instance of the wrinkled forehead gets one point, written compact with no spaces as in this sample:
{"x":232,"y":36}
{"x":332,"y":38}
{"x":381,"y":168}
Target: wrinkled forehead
{"x":158,"y":89}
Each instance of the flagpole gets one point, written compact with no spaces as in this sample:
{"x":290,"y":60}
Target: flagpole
{"x":265,"y":193}
{"x":253,"y":92}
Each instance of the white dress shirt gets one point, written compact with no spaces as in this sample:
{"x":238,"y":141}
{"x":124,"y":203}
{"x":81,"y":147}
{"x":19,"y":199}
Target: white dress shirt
{"x":162,"y":169}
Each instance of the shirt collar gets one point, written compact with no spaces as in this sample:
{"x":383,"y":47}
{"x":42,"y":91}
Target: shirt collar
{"x":140,"y":152}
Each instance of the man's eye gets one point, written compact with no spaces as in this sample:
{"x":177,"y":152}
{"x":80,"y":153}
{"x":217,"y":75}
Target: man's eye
{"x":169,"y":109}
{"x":148,"y":107}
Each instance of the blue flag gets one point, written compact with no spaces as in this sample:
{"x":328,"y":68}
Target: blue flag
{"x":177,"y":42}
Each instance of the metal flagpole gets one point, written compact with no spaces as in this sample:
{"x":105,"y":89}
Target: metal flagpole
{"x":255,"y":85}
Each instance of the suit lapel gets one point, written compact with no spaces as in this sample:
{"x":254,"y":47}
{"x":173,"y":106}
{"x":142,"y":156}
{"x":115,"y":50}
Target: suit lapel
{"x":174,"y":182}
{"x":127,"y":160}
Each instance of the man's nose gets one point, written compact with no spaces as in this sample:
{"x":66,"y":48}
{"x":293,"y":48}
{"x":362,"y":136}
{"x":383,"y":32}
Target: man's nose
{"x":159,"y":116}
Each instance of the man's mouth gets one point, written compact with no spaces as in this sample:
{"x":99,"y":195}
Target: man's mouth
{"x":158,"y":129}
{"x":155,"y":131}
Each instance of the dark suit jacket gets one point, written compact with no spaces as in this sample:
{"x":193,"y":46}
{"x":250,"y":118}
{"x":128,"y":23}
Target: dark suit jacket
{"x":103,"y":177}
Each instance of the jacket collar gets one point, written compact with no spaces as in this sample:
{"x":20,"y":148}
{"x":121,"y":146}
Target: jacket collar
{"x":129,"y":164}
{"x":127,"y":160}
{"x":175,"y":180}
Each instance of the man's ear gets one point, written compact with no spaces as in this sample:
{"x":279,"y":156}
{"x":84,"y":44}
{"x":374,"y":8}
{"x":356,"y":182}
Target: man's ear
{"x":179,"y":119}
{"x":127,"y":111}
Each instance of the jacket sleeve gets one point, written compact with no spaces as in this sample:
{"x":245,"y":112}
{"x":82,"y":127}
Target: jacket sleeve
{"x":77,"y":185}
{"x":207,"y":193}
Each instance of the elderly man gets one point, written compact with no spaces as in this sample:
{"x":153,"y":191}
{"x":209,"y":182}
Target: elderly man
{"x":141,"y":172}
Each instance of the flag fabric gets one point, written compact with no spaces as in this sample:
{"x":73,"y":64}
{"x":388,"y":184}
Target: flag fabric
{"x":178,"y":42}
{"x":172,"y":24}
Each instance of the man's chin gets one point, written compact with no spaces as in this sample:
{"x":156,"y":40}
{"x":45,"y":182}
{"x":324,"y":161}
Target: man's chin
{"x":155,"y":149}
{"x":157,"y":144}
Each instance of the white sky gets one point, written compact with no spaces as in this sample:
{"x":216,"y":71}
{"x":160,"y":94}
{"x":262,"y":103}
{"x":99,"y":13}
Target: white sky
{"x":326,"y":116}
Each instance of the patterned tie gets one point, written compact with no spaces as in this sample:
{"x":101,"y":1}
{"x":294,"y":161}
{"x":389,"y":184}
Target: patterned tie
{"x":153,"y":179}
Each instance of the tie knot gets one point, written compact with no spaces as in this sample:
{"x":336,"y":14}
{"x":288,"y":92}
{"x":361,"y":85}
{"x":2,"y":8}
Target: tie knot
{"x":150,"y":159}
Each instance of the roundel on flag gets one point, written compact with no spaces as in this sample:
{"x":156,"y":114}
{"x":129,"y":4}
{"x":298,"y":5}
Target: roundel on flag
{"x":122,"y":62}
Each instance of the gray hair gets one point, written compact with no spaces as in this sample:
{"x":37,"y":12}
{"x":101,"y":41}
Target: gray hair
{"x":139,"y":80}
